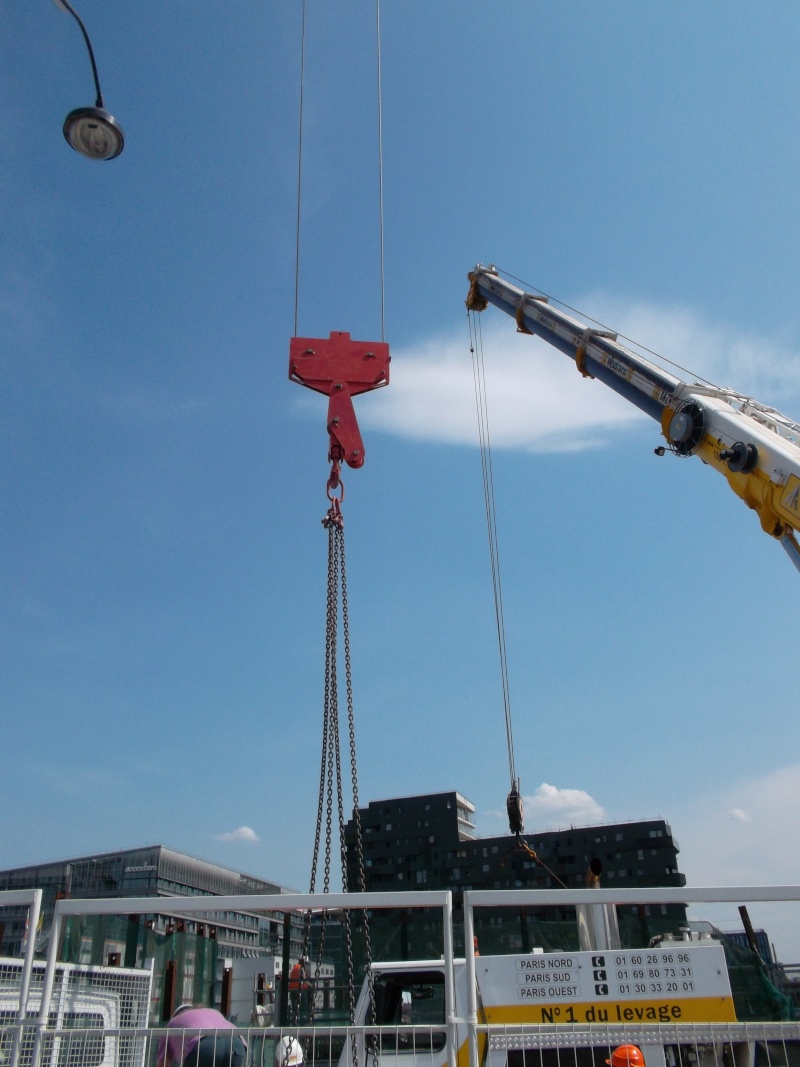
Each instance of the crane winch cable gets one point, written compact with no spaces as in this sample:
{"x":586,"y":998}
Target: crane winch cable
{"x":514,"y":807}
{"x":379,"y":96}
{"x":299,"y":165}
{"x":340,"y":368}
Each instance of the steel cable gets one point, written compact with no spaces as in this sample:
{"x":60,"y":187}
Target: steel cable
{"x":484,"y":438}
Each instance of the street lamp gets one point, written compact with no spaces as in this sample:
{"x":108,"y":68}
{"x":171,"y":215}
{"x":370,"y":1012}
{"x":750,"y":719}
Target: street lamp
{"x":91,"y":130}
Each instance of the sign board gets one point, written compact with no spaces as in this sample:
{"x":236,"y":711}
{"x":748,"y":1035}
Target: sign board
{"x":674,"y":982}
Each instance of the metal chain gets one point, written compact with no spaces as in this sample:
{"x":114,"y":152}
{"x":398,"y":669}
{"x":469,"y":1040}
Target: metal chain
{"x":330,"y":728}
{"x":330,"y":655}
{"x":348,"y":930}
{"x":331,"y":778}
{"x":360,"y":879}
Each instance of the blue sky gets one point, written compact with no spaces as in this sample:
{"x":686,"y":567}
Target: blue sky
{"x":161,"y":558}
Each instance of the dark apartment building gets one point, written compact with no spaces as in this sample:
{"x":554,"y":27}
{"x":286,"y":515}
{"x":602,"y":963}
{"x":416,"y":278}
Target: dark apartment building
{"x":429,"y":842}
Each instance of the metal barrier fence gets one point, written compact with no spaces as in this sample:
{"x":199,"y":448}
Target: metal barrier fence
{"x":663,"y":1045}
{"x":463,"y":1038}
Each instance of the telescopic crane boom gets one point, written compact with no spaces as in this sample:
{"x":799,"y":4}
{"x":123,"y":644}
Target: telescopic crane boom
{"x":754,"y":446}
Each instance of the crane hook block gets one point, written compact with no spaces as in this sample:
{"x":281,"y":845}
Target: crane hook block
{"x":341,"y":369}
{"x":515,"y":810}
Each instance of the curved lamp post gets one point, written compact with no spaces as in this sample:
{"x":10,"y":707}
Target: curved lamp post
{"x":91,"y":130}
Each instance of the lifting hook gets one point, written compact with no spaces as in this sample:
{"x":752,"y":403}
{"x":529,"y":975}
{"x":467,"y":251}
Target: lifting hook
{"x":341,"y":369}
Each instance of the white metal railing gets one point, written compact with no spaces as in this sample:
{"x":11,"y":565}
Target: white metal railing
{"x":495,"y":1037}
{"x":779,"y":1043}
{"x":535,"y":898}
{"x":255,"y":903}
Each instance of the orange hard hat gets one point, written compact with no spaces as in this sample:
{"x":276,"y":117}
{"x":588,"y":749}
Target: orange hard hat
{"x":626,"y":1056}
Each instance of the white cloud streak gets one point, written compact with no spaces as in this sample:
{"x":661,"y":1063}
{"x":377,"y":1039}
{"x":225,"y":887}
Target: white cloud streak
{"x":244,"y":833}
{"x":538,"y":402}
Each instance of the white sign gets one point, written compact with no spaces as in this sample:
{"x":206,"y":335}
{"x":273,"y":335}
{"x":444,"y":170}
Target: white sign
{"x":673,"y":982}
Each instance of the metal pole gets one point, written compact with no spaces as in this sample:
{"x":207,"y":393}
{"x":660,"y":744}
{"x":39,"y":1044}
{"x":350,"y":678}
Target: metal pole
{"x":472,"y":990}
{"x":286,"y":964}
{"x":449,"y":981}
{"x":34,"y":910}
{"x":47,"y":987}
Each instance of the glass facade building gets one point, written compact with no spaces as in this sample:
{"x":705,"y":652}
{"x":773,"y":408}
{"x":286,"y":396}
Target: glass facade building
{"x":155,"y":871}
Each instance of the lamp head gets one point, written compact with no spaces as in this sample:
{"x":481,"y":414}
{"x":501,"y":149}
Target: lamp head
{"x":94,"y":133}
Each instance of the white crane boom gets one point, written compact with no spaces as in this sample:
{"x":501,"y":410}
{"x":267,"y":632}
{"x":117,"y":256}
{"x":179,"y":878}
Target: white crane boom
{"x":754,"y":446}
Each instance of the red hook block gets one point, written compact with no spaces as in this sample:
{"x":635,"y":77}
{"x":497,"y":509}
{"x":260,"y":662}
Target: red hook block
{"x":341,"y":369}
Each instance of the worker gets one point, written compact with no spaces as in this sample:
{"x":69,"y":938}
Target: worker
{"x":202,"y":1037}
{"x":626,"y":1056}
{"x":298,"y":988}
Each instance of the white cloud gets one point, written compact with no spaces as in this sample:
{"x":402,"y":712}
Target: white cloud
{"x":537,"y":399}
{"x":244,"y":833}
{"x":746,"y":835}
{"x":741,"y":816}
{"x":551,"y":807}
{"x":742,"y":835}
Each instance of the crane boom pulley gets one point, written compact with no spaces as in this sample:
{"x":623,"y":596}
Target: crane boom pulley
{"x":755,"y":447}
